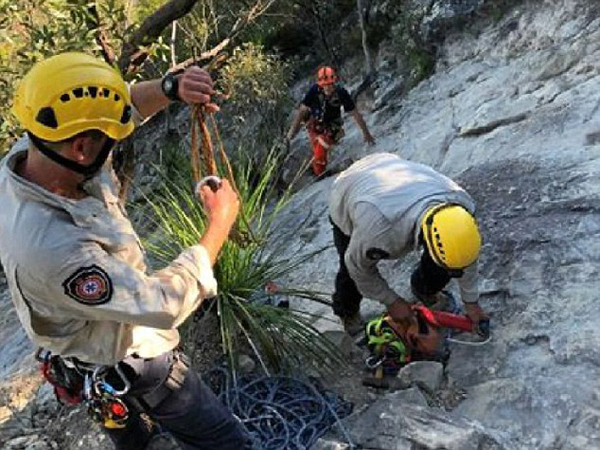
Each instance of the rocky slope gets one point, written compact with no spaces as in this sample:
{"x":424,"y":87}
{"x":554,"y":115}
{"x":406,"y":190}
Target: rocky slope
{"x":512,"y":114}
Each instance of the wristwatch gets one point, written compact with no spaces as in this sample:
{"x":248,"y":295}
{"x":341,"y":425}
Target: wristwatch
{"x":170,"y":87}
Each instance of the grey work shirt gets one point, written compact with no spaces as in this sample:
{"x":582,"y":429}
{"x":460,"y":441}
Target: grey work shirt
{"x":379,"y":202}
{"x":77,"y":275}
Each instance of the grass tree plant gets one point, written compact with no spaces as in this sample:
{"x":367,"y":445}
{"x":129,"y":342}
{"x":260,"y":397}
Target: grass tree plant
{"x":281,"y":339}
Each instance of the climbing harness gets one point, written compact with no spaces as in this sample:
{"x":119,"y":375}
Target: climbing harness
{"x":281,"y":412}
{"x":387,"y":349}
{"x":334,"y":129}
{"x":76,"y":382}
{"x":104,"y":403}
{"x":392,"y":348}
{"x":66,"y":382}
{"x":103,"y":388}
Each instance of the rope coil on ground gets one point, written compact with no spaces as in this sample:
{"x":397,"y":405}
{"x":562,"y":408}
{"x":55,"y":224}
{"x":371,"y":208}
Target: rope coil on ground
{"x":281,"y":412}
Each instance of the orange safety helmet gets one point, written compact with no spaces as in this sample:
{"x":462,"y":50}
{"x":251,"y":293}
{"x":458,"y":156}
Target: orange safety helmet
{"x":326,"y":76}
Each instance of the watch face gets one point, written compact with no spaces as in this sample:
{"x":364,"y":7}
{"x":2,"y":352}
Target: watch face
{"x":170,"y":87}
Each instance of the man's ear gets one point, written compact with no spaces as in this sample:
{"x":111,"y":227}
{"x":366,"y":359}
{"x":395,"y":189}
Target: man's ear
{"x":80,"y":149}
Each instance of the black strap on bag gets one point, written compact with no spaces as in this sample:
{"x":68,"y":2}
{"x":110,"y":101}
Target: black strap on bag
{"x":174,"y":381}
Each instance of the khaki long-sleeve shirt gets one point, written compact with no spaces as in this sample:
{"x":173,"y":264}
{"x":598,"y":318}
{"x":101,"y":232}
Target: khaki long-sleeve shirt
{"x":77,"y":275}
{"x":379,"y":202}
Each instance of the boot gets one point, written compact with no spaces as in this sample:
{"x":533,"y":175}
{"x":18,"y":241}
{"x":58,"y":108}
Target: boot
{"x":353,"y":324}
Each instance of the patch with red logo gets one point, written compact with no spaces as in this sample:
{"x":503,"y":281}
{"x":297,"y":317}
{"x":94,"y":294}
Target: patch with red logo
{"x":89,"y":285}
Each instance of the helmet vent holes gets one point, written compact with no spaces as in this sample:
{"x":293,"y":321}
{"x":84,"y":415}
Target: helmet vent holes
{"x":47,"y":117}
{"x":71,"y":93}
{"x":126,"y":116}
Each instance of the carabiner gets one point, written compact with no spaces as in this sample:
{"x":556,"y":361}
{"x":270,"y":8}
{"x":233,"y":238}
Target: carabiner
{"x":373,"y":361}
{"x":126,"y":383}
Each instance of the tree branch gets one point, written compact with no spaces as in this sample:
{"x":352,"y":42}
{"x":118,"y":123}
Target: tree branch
{"x":255,"y":11}
{"x":362,"y":19}
{"x":132,"y":56}
{"x":210,"y":55}
{"x":101,"y":38}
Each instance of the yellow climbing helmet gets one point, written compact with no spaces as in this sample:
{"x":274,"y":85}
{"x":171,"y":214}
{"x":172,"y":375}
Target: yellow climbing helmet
{"x":71,"y":93}
{"x":452,"y":236}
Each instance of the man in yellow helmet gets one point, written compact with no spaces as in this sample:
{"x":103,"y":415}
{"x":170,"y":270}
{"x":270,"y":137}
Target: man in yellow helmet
{"x":73,"y":262}
{"x":383,"y":207}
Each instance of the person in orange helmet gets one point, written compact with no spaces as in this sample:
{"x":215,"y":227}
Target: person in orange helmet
{"x":321,"y":108}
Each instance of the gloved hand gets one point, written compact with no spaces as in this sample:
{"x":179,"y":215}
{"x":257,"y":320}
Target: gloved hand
{"x":401,"y":313}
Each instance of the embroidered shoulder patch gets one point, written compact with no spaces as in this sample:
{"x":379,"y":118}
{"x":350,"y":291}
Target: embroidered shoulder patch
{"x":376,"y":254}
{"x":89,"y":285}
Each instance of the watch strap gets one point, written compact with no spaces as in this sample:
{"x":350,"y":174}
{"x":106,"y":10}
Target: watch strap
{"x":170,"y":87}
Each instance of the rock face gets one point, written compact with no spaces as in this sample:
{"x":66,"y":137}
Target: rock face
{"x":512,"y":114}
{"x":394,"y":423}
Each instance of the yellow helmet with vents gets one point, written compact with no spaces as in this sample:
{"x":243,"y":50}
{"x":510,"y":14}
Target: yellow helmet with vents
{"x":452,"y":236}
{"x":71,"y":93}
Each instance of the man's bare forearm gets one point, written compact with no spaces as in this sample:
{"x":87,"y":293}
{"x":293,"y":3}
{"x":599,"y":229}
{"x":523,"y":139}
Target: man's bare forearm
{"x":148,"y":98}
{"x":213,"y":239}
{"x":222,"y":206}
{"x":361,"y":122}
{"x":297,"y":123}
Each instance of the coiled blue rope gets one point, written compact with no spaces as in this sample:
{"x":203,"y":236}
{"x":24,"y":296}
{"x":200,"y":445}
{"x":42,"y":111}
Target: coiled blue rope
{"x":281,"y":413}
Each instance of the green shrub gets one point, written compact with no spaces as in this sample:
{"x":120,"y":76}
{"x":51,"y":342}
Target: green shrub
{"x":416,"y":57}
{"x":256,"y":86}
{"x":29,"y":32}
{"x":33,"y":30}
{"x":281,"y":339}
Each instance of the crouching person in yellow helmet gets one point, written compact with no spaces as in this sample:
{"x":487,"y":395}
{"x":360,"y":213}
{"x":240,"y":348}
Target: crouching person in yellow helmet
{"x":383,"y":207}
{"x":73,"y":262}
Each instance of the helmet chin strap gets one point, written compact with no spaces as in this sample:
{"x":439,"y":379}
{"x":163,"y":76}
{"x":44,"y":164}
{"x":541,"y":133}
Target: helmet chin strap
{"x":87,"y":171}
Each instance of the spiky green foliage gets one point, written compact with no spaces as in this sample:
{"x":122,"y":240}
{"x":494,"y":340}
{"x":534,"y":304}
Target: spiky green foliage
{"x":256,"y":83}
{"x":281,"y":339}
{"x":417,"y":56}
{"x":33,"y":30}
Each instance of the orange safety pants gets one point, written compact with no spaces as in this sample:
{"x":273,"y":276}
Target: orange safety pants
{"x":321,"y":143}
